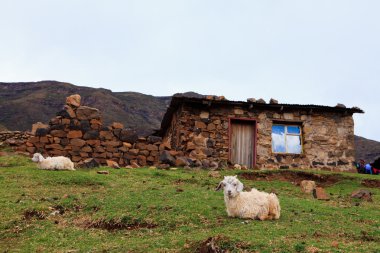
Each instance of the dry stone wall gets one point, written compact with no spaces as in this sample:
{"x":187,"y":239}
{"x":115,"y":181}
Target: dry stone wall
{"x":77,"y":132}
{"x":198,"y":136}
{"x":14,"y":138}
{"x":201,"y":133}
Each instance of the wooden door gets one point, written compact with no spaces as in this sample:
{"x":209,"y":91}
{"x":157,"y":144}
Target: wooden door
{"x":242,"y":141}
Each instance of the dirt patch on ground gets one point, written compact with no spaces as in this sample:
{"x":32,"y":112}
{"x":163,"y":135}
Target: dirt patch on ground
{"x":30,"y":214}
{"x":3,"y":153}
{"x":294,"y":177}
{"x":372,"y":183}
{"x":219,"y":244}
{"x":114,"y":224}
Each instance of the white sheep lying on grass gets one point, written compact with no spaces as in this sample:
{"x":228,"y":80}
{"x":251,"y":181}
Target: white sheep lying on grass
{"x":249,"y":205}
{"x":53,"y":163}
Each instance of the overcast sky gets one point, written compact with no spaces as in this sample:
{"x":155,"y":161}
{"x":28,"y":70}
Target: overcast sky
{"x":309,"y":52}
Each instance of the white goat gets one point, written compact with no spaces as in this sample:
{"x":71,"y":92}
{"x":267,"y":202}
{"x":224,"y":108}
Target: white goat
{"x":53,"y":163}
{"x":248,"y":205}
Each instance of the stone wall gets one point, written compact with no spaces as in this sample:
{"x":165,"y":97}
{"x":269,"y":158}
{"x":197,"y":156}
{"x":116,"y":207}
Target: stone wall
{"x":14,"y":138}
{"x":77,"y":132}
{"x":201,"y":133}
{"x":198,"y":136}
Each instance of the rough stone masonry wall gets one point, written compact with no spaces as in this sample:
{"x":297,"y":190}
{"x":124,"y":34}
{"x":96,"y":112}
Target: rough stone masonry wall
{"x":14,"y":138}
{"x":201,"y":133}
{"x":77,"y":132}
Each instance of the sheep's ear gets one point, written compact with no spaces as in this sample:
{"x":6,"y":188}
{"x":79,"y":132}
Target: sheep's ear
{"x":220,"y":186}
{"x":240,"y":187}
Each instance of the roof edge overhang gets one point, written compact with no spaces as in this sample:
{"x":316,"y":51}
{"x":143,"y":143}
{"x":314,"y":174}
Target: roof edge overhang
{"x":177,"y":101}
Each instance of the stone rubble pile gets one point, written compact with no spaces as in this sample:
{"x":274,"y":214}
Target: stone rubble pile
{"x":78,"y":132}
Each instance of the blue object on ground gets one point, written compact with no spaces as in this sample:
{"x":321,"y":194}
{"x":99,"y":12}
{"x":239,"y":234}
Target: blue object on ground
{"x":368,"y":168}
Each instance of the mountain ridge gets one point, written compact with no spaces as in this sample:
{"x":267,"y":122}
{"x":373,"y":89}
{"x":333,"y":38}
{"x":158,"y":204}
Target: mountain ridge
{"x":22,"y":104}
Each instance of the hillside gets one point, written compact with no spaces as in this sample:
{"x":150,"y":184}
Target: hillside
{"x":22,"y":104}
{"x":366,"y":149}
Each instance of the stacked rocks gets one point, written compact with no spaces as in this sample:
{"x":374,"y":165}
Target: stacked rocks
{"x":15,"y":138}
{"x":77,"y":132}
{"x":201,"y":136}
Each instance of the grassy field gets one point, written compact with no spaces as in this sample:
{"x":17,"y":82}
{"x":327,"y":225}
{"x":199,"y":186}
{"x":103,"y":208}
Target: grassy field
{"x":148,"y":210}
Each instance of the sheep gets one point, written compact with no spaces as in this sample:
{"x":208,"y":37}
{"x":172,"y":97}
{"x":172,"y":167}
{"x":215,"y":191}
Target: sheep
{"x":53,"y":163}
{"x":248,"y":205}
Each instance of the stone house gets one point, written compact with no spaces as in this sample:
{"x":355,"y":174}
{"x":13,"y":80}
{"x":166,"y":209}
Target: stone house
{"x":259,"y":134}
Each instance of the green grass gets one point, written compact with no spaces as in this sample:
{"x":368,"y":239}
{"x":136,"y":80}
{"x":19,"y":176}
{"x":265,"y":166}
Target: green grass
{"x":147,"y":210}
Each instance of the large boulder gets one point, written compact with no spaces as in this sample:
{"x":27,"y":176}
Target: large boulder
{"x":77,"y":142}
{"x":273,"y":101}
{"x":307,"y":186}
{"x":237,"y":166}
{"x":167,"y":158}
{"x":320,"y":194}
{"x":38,"y":125}
{"x":106,"y":135}
{"x":73,"y":100}
{"x":117,"y":125}
{"x":87,"y":113}
{"x":58,"y":133}
{"x":128,"y":135}
{"x":91,"y":135}
{"x":181,"y":162}
{"x":261,"y":101}
{"x":74,"y":134}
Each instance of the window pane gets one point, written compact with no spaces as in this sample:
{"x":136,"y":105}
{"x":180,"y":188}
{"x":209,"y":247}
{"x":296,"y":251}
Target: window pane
{"x":293,"y":144}
{"x":293,"y":130}
{"x":278,"y":139}
{"x":277,"y":129}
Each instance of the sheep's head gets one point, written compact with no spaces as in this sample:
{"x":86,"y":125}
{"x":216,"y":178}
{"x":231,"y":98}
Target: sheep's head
{"x":37,"y":157}
{"x":231,"y":186}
